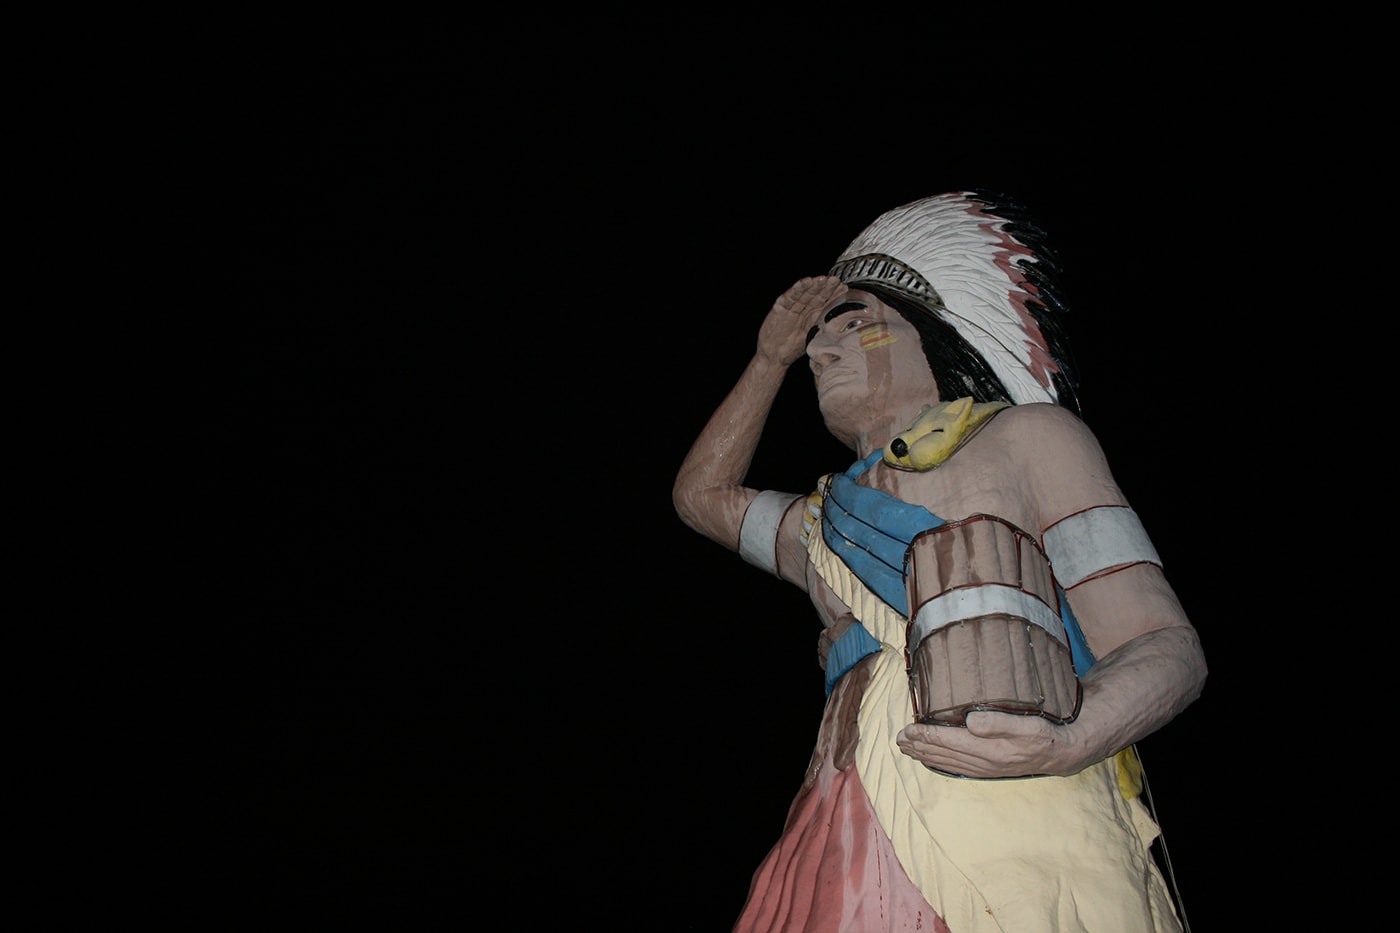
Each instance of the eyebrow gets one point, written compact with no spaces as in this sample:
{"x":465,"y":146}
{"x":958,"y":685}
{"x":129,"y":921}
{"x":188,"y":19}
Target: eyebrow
{"x":842,"y":308}
{"x":836,"y":312}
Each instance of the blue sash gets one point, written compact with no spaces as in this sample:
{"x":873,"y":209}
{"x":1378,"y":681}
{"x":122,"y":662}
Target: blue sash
{"x":871,"y":532}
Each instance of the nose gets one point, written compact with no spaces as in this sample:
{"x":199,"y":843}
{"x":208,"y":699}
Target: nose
{"x":822,"y":350}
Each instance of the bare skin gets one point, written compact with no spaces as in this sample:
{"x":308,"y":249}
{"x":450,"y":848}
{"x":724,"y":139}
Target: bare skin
{"x":709,"y":494}
{"x":1031,"y":465}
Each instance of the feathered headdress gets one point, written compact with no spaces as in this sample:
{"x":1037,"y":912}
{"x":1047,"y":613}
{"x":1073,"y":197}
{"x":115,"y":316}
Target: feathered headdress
{"x":969,"y":261}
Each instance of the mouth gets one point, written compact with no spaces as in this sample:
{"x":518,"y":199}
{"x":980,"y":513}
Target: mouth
{"x":832,"y":378}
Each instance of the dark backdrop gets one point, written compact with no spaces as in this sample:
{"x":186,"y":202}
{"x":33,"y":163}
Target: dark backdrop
{"x":461,"y":295}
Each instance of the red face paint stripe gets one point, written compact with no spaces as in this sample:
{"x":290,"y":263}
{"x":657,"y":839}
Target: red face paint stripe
{"x":875,"y":335}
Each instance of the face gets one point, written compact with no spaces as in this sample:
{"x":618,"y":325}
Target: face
{"x":868,"y":363}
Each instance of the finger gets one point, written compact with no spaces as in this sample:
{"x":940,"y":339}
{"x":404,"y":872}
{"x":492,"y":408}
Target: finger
{"x":950,"y":760}
{"x":987,"y":724}
{"x":929,"y":741}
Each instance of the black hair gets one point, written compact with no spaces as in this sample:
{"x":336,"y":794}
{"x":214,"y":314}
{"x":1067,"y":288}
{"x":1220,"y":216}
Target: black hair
{"x":958,"y":369}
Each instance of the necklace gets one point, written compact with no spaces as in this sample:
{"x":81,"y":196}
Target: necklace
{"x":938,"y":432}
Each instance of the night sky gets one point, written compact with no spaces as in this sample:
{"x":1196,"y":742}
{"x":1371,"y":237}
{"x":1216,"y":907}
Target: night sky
{"x":464,"y":296}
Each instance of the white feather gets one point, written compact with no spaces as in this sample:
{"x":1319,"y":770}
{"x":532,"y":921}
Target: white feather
{"x":969,"y":259}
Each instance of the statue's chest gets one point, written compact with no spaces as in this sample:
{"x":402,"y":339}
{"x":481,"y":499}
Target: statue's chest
{"x":966,"y":485}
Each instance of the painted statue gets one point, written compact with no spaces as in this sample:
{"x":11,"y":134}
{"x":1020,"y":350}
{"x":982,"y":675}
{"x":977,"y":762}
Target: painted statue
{"x":997,"y":631}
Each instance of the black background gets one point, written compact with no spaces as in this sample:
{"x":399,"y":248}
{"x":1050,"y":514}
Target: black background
{"x":460,"y":296}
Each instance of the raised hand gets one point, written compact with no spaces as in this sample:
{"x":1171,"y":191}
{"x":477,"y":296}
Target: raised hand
{"x":783,"y":336}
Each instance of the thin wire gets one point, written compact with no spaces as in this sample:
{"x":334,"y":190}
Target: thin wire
{"x":1162,"y":840}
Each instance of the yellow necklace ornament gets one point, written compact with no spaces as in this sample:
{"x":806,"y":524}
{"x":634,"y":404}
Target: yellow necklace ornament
{"x":937,"y":432}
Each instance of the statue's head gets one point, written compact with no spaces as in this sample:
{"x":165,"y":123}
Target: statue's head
{"x":973,"y":276}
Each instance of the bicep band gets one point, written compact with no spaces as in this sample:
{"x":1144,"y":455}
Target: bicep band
{"x":758,"y":533}
{"x":1095,"y":541}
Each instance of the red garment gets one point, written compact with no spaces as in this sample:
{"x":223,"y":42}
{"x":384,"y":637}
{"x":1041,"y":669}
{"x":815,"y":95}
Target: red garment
{"x":833,"y":870}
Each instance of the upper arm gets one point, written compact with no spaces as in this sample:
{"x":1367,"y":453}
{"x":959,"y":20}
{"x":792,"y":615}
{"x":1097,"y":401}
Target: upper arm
{"x":770,"y":536}
{"x":1120,"y":605}
{"x":1100,"y":552}
{"x":791,"y":551}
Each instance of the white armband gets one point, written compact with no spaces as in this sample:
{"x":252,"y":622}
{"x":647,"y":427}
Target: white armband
{"x":758,"y":533}
{"x":971,"y":602}
{"x":1096,"y":540}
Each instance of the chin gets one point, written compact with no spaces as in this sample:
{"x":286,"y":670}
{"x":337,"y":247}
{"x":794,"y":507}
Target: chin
{"x":837,"y":429}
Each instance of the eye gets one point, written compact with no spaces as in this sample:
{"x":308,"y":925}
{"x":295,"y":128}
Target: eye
{"x":854,"y":323}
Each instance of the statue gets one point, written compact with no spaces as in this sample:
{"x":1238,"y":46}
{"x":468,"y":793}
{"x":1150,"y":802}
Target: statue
{"x":997,"y":630}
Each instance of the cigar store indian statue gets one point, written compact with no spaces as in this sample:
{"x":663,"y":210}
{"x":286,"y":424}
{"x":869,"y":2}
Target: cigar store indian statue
{"x":997,"y":631}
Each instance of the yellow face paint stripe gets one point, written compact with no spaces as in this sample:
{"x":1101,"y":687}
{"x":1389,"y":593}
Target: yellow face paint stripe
{"x":875,"y":335}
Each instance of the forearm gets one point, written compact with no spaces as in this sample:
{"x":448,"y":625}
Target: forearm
{"x":1133,"y":691}
{"x":1136,"y":689}
{"x":708,"y":493}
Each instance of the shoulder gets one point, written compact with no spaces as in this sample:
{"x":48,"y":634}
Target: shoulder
{"x":1038,"y":425}
{"x":1058,"y":457}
